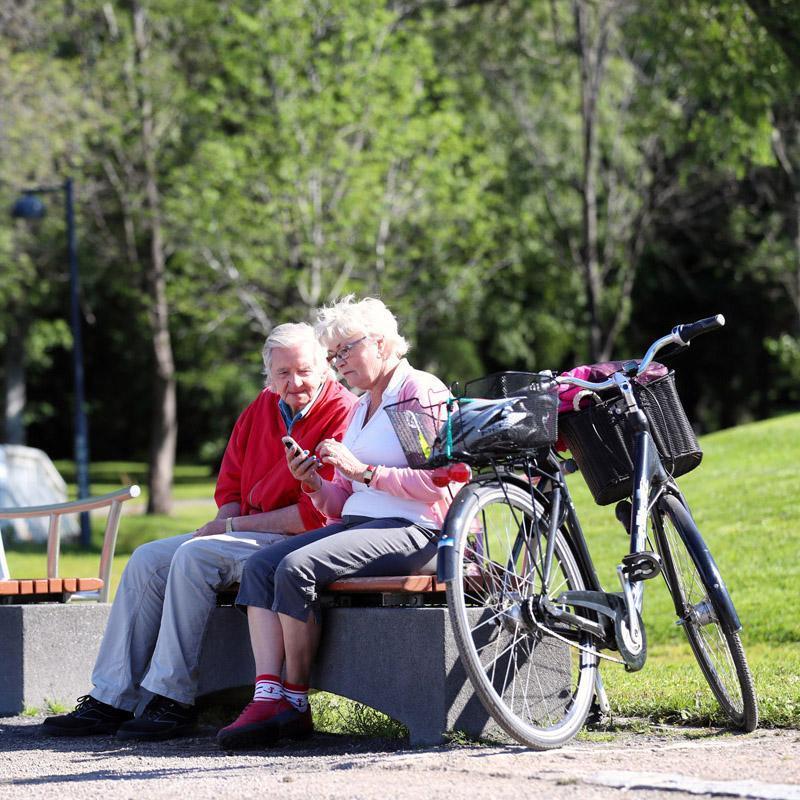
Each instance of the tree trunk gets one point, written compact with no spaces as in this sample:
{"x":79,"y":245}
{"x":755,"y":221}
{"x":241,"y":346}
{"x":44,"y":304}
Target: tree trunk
{"x":590,"y":77}
{"x":164,"y":430}
{"x":15,"y":386}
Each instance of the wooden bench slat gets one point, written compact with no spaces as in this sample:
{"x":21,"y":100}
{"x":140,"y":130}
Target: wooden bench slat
{"x":400,"y":584}
{"x":396,"y":583}
{"x":46,"y":586}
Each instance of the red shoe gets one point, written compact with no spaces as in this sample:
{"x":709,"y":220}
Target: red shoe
{"x":263,"y":723}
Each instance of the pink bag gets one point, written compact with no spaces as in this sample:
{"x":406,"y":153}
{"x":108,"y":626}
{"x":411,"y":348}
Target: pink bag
{"x":574,"y":398}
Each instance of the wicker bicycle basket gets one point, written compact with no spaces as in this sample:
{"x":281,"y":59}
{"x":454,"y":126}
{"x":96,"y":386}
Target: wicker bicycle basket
{"x":596,"y":440}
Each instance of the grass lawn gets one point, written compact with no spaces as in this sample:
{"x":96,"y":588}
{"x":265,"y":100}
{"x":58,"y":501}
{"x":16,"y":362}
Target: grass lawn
{"x":745,"y":500}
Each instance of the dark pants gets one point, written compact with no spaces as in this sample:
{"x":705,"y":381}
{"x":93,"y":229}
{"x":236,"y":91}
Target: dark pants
{"x":286,"y":577}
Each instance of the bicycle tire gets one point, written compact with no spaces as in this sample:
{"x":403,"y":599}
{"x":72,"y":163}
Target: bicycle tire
{"x":499,"y":539}
{"x":718,"y":651}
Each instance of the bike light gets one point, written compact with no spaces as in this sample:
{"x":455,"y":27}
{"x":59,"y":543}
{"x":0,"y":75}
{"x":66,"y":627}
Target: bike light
{"x":459,"y":473}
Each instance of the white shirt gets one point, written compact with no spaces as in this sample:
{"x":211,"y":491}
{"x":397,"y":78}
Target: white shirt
{"x":377,"y":443}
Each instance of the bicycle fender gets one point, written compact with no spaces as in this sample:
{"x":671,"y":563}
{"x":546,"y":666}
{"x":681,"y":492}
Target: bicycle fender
{"x":719,"y":595}
{"x":446,"y":548}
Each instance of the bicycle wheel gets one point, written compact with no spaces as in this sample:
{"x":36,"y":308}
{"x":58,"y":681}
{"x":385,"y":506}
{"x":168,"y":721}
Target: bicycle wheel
{"x":698,"y":606}
{"x":537,"y":687}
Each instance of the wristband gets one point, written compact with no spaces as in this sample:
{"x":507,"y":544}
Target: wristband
{"x":369,"y":474}
{"x":229,"y":525}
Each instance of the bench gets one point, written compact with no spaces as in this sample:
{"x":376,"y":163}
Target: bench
{"x":54,"y":588}
{"x":387,"y":643}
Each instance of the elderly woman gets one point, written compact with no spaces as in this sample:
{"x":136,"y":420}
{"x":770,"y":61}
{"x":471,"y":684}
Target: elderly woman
{"x":390,"y":516}
{"x":168,"y":589}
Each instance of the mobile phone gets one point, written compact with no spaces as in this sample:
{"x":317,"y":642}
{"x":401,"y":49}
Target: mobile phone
{"x":291,"y":444}
{"x":295,"y":448}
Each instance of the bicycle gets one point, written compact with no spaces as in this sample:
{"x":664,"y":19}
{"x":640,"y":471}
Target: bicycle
{"x":530,"y":617}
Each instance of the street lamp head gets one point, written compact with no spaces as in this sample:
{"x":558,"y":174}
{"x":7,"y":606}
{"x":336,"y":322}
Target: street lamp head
{"x":28,"y":206}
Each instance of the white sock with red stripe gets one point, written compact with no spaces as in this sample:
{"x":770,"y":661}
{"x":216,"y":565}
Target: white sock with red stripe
{"x":297,"y":695}
{"x":268,"y":689}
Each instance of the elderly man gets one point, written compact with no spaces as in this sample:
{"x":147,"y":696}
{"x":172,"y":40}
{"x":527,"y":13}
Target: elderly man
{"x":168,"y":589}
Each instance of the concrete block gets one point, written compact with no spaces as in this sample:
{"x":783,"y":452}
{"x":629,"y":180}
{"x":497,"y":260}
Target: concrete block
{"x":405,"y":663}
{"x":47,"y":652}
{"x":401,"y":661}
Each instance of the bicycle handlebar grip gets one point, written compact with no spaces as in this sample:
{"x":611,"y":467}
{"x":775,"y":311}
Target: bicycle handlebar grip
{"x":689,"y":331}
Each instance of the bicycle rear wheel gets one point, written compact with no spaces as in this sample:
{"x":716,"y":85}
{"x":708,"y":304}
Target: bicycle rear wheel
{"x":719,"y":652}
{"x":538,"y":688}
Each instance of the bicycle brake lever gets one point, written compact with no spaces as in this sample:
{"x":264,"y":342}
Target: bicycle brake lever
{"x":630,"y":368}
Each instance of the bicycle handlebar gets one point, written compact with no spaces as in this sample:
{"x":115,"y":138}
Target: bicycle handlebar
{"x":688,"y":332}
{"x":681,"y":335}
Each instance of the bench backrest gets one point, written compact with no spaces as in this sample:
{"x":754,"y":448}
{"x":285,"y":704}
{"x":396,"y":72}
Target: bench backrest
{"x":113,"y":501}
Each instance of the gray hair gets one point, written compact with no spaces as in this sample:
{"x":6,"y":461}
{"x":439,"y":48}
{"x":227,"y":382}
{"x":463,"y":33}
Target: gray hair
{"x":348,"y":317}
{"x":289,"y":335}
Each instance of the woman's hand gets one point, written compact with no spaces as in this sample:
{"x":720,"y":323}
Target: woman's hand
{"x":304,"y":469}
{"x":333,"y":452}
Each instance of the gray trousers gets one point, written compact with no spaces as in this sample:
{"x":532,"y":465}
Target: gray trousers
{"x":160,"y":613}
{"x":287,"y":576}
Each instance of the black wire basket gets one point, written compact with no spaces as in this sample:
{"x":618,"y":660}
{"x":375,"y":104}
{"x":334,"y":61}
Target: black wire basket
{"x":496,"y":418}
{"x":596,"y":440}
{"x":417,"y":426}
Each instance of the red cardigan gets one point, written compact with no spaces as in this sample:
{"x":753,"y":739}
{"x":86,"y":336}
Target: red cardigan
{"x":254,"y":472}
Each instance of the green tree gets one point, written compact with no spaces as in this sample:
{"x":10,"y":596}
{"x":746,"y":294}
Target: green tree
{"x":43,"y":123}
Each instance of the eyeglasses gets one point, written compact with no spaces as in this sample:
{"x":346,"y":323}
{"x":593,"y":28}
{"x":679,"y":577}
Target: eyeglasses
{"x":343,"y":353}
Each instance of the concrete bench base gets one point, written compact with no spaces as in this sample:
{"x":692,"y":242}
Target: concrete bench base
{"x":401,"y":661}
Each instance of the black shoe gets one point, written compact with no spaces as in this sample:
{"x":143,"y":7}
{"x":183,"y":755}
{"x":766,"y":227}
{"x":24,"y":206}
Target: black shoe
{"x":163,"y":718}
{"x":90,"y":718}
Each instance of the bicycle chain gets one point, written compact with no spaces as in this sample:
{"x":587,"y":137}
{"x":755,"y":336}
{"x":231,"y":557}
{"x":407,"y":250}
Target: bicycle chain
{"x":576,"y":645}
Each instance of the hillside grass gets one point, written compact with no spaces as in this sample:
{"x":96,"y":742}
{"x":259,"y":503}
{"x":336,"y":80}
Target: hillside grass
{"x":746,"y":500}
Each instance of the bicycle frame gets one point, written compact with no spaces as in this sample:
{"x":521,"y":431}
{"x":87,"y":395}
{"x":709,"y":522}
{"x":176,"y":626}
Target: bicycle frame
{"x":649,"y":480}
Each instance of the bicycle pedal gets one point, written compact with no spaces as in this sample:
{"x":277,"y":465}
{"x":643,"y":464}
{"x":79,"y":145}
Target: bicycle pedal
{"x":641,"y":566}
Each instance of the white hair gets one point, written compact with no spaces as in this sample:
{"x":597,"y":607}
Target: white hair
{"x":289,"y":335}
{"x":348,"y":317}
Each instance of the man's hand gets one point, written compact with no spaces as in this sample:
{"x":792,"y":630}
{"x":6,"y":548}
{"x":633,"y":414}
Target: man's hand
{"x":212,"y":528}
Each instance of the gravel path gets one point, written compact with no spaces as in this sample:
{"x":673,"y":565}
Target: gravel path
{"x":673,"y":763}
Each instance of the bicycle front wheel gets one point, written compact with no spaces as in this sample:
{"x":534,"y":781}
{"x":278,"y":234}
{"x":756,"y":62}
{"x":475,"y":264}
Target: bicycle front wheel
{"x":700,"y":612}
{"x":536,"y":686}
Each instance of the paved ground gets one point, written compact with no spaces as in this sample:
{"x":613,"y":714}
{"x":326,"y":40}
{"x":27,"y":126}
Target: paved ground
{"x":657,"y":763}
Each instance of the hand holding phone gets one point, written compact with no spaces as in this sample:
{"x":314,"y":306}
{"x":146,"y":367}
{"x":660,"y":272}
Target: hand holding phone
{"x":302,"y":465}
{"x":291,"y":445}
{"x":295,"y":450}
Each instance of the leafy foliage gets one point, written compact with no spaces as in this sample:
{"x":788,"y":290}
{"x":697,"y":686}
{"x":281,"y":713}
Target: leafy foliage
{"x":436,"y":155}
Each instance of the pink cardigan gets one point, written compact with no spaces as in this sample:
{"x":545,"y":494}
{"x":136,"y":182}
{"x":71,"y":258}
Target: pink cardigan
{"x":415,"y":484}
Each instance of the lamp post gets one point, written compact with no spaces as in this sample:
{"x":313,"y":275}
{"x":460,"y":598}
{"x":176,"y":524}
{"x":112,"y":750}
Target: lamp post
{"x":30,"y":206}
